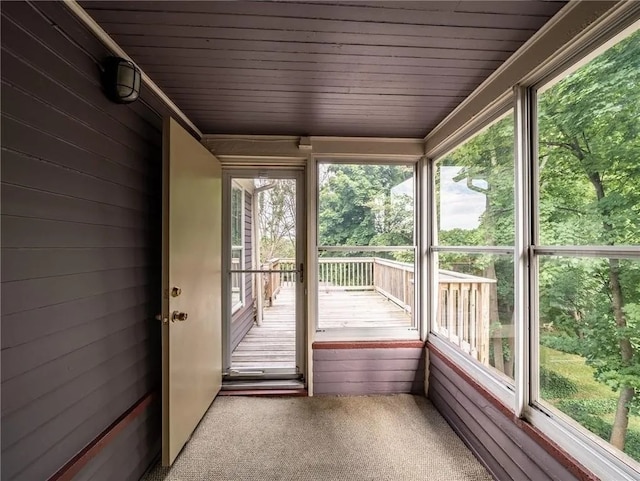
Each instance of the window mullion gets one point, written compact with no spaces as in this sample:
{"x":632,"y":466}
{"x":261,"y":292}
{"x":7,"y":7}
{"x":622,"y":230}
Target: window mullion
{"x":523,"y":160}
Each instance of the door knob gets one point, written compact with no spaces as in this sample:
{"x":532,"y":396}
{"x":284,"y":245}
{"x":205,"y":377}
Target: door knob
{"x":179,"y":316}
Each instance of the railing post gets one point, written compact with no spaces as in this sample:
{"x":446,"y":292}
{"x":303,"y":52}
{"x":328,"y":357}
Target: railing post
{"x":404,"y":288}
{"x":485,"y":323}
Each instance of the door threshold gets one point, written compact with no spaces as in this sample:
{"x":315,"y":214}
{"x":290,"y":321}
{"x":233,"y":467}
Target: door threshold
{"x":263,"y":388}
{"x":266,"y":392}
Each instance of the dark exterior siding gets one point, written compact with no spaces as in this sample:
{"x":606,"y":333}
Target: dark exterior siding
{"x":368,"y":371}
{"x":120,"y":459}
{"x":507,"y":451}
{"x":243,"y":319}
{"x":241,"y":324}
{"x":81,"y":186}
{"x":248,"y":246}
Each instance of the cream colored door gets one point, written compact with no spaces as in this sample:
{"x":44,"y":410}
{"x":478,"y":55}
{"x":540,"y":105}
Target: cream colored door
{"x":191,"y":278}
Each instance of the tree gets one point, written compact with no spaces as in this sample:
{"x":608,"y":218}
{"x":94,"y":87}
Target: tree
{"x":277,"y":219}
{"x":590,"y":145}
{"x":589,"y":152}
{"x":358,"y":208}
{"x":486,"y":167}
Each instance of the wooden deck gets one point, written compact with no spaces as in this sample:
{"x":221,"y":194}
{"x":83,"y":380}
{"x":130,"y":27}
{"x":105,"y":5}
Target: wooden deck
{"x":272,"y":345}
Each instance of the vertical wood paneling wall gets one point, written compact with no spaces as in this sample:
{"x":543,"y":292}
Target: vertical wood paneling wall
{"x":503,"y":446}
{"x":243,"y":319}
{"x":364,"y":370}
{"x":81,"y":187}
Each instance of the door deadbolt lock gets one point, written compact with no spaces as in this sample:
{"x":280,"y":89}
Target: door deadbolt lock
{"x":179,"y":316}
{"x":176,"y":291}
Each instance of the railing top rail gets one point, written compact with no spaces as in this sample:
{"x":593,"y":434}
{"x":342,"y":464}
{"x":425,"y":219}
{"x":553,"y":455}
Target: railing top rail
{"x":405,"y":266}
{"x":350,"y":248}
{"x":345,"y":260}
{"x":452,"y":277}
{"x":444,"y":276}
{"x":325,"y":260}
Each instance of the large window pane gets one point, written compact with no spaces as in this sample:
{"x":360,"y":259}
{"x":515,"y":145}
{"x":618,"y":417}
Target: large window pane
{"x":366,"y":289}
{"x":475,"y":307}
{"x":474,"y":190}
{"x":365,"y":205}
{"x":589,"y":339}
{"x":589,"y":146}
{"x":372,"y":206}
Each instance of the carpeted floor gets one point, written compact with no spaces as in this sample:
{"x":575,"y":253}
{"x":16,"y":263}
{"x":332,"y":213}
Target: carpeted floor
{"x":399,"y":437}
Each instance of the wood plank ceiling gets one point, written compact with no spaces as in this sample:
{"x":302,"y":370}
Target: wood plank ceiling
{"x":376,"y":69}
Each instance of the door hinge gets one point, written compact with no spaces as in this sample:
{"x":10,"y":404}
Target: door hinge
{"x":301,"y":272}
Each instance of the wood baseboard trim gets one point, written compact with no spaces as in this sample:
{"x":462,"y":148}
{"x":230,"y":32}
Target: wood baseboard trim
{"x":80,"y":460}
{"x":367,"y":344}
{"x":579,"y":471}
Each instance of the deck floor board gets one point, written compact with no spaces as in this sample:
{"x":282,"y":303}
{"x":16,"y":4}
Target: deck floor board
{"x":272,"y":345}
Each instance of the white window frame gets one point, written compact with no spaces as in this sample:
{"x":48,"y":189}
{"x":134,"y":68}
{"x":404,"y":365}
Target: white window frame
{"x":594,"y":453}
{"x":501,"y":387}
{"x":371,"y":333}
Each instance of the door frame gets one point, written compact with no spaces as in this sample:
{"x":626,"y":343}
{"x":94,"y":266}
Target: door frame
{"x":297,"y":174}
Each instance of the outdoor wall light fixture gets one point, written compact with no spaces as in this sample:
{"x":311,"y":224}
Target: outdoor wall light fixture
{"x":121,"y":80}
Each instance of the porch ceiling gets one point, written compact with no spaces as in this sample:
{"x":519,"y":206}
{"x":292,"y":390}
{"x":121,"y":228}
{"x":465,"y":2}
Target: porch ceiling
{"x":373,"y":69}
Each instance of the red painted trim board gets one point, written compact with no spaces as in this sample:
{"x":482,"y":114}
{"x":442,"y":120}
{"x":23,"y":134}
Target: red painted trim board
{"x":367,"y":344}
{"x":80,"y":460}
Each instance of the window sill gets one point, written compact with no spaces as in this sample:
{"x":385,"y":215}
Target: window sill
{"x":499,"y":389}
{"x":358,"y":334}
{"x":236,"y":309}
{"x":403,"y":344}
{"x":585,"y":448}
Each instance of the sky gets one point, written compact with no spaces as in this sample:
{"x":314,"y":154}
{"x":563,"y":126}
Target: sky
{"x":460,"y":207}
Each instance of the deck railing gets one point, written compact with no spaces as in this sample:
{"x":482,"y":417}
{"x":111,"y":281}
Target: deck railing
{"x":236,"y":281}
{"x":394,"y":280}
{"x":275,"y":280}
{"x":463,"y":303}
{"x":463,"y":312}
{"x":346,"y":273}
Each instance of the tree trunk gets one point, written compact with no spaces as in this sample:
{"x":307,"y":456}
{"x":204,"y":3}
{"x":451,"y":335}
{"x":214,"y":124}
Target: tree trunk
{"x":621,"y":420}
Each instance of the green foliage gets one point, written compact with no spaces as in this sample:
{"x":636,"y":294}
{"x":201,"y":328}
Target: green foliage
{"x":486,"y":166}
{"x":555,"y":386}
{"x":588,"y":412}
{"x":589,"y":146}
{"x":357,"y":206}
{"x":588,"y":151}
{"x":594,"y":407}
{"x":564,"y":343}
